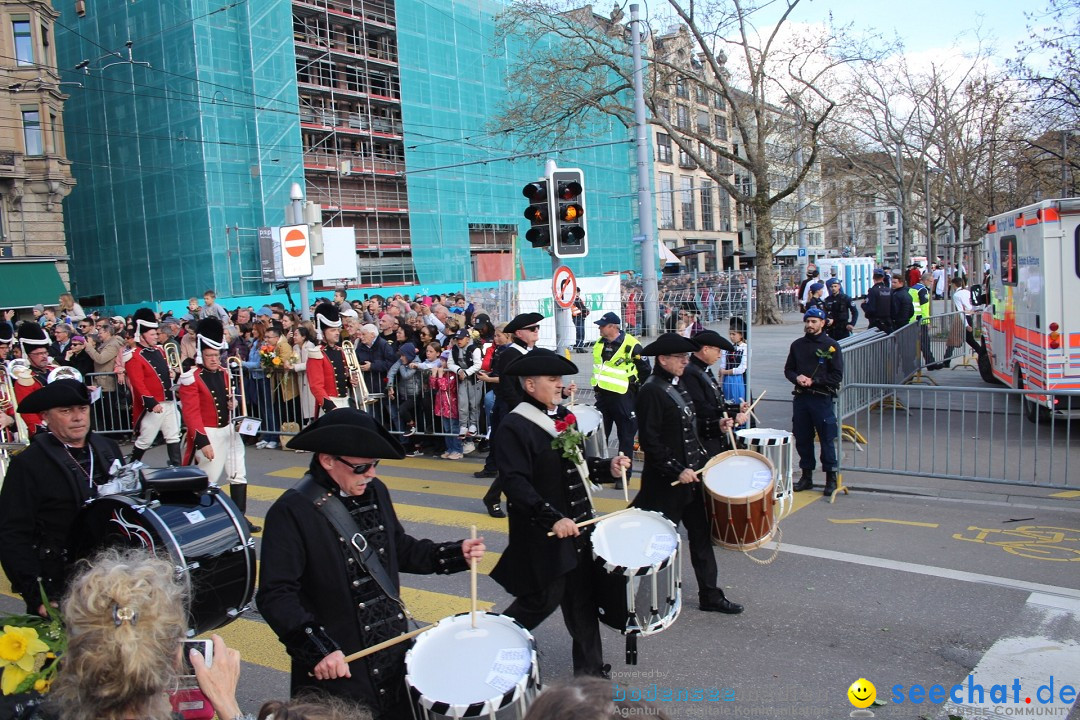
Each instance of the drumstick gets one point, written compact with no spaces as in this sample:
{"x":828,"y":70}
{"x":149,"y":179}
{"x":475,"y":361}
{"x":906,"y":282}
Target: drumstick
{"x":383,"y":645}
{"x":472,"y":580}
{"x":595,"y":520}
{"x":625,"y":491}
{"x":731,"y":436}
{"x":754,"y":404}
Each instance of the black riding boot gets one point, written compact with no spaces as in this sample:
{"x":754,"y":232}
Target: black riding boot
{"x":238,"y":493}
{"x":173,"y":449}
{"x":136,"y":454}
{"x":805,"y":482}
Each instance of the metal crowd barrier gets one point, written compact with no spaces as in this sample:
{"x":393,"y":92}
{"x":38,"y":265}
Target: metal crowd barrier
{"x":875,"y":361}
{"x":961,"y":433}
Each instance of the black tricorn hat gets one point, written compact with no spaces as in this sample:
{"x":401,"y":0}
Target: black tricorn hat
{"x":523,"y":320}
{"x":669,"y":344}
{"x":737,"y":324}
{"x":58,"y":393}
{"x":539,"y":362}
{"x":711,"y":338}
{"x":347,"y":431}
{"x":144,"y":319}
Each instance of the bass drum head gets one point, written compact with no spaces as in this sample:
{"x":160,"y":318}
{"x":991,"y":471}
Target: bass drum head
{"x":589,"y":418}
{"x":201,"y":533}
{"x":455,"y":670}
{"x":739,"y":475}
{"x":634,"y":539}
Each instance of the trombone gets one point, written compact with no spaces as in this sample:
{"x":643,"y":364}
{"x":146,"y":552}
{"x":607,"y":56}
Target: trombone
{"x":235,"y":367}
{"x":360,"y":393}
{"x":10,"y":372}
{"x":172,"y":357}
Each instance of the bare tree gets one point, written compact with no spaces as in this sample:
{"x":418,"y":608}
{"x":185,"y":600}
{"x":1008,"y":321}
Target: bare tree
{"x":576,"y":68}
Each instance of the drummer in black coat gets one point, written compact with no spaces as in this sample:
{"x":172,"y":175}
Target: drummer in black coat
{"x":547,"y":494}
{"x":668,"y":434}
{"x":45,"y":487}
{"x":326,"y":592}
{"x":705,"y":390}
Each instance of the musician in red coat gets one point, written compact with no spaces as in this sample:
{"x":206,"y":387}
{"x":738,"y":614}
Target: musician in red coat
{"x":328,"y":375}
{"x":153,"y":396}
{"x":213,"y":442}
{"x":35,"y":348}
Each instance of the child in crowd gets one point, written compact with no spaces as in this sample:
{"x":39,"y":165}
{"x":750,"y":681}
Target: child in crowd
{"x":466,"y":359}
{"x":403,"y":389}
{"x":444,"y":383}
{"x":733,"y":364}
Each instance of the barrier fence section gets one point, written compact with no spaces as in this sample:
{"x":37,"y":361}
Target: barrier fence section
{"x":959,"y":433}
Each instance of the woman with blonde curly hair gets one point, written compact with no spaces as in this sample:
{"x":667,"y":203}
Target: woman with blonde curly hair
{"x":126,"y":614}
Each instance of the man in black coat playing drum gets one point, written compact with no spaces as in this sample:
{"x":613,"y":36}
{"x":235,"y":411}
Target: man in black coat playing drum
{"x":547,"y":493}
{"x":328,"y":582}
{"x":668,"y":434}
{"x":707,"y":393}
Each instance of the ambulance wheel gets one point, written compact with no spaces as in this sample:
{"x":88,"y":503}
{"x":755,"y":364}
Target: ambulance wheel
{"x":1033,"y":411}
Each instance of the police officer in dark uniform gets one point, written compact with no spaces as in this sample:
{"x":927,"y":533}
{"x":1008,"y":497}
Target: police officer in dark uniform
{"x":840,"y":312}
{"x":668,"y":433}
{"x":707,"y":393}
{"x":816,"y":367}
{"x":878,"y":303}
{"x":332,"y":552}
{"x":546,"y":493}
{"x":45,"y":487}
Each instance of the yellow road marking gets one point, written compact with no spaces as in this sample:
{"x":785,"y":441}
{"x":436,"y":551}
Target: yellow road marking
{"x":1067,"y":494}
{"x":857,"y":521}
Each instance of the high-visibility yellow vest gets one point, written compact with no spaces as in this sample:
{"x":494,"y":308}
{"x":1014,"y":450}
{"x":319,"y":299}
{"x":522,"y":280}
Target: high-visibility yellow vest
{"x":922,"y":310}
{"x":615,"y":374}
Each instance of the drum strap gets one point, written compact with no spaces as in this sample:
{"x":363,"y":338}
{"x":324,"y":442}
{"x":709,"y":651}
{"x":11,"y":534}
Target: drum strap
{"x":339,"y":518}
{"x":684,"y":410}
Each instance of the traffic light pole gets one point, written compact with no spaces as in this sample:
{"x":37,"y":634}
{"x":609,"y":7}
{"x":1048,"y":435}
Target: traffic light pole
{"x":562,"y":315}
{"x":646,"y":217}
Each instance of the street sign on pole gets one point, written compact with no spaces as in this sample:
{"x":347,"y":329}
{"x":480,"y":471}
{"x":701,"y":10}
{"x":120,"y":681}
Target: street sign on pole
{"x":802,"y":252}
{"x":295,"y":251}
{"x":563,"y":286}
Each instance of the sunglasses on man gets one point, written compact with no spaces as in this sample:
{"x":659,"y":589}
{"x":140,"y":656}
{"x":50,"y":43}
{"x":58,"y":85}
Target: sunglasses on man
{"x":358,"y":469}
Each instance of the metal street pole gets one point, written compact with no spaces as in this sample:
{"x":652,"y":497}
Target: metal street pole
{"x":562,"y":315}
{"x":296,"y":195}
{"x":646,"y":217}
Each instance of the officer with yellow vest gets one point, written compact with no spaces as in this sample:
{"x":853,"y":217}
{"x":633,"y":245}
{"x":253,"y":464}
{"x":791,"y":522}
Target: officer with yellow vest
{"x":920,"y":301}
{"x":618,"y":368}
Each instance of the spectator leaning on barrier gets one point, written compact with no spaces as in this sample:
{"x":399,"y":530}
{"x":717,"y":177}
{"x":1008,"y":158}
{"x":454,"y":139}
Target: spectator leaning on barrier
{"x":815,"y":366}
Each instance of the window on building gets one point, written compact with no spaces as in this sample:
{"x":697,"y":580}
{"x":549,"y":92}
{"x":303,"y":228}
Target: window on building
{"x":24,"y":42}
{"x":667,"y":201}
{"x":868,"y":219}
{"x":686,"y":197}
{"x":684,"y":159}
{"x":705,"y":153}
{"x":703,"y":122}
{"x":54,"y":134}
{"x":720,"y":129}
{"x":680,"y":88}
{"x":718,"y":101}
{"x":663,"y":109}
{"x":663,"y":148}
{"x":682,"y":117}
{"x":701,"y":95}
{"x":32,"y":131}
{"x":890,"y":217}
{"x":707,"y":219}
{"x":725,"y":210}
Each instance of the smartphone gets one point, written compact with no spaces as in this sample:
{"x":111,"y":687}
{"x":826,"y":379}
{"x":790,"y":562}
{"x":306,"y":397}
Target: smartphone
{"x":206,"y":647}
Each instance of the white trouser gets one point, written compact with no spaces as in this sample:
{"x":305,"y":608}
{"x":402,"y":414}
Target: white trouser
{"x":340,"y":401}
{"x":167,"y":422}
{"x":228,"y":457}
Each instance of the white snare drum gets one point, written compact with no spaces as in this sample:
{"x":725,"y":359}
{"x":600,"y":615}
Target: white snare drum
{"x":637,"y":579}
{"x":457,"y":671}
{"x":740,"y":498}
{"x":591,"y":424}
{"x":778,"y":446}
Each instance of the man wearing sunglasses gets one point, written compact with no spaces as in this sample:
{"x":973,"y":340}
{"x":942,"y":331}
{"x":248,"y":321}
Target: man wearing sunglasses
{"x":332,"y":553}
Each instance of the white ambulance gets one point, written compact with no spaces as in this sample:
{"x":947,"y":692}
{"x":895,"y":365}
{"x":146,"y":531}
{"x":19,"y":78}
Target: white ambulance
{"x":1031,"y":322}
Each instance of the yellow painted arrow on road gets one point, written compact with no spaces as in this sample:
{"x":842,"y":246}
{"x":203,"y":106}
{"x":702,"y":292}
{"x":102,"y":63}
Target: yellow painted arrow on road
{"x":860,"y":521}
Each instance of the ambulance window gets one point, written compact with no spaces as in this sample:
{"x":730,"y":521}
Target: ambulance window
{"x":1008,"y":260}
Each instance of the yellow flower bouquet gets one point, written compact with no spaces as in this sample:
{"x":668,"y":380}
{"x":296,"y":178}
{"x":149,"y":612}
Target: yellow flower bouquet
{"x":29,"y":649}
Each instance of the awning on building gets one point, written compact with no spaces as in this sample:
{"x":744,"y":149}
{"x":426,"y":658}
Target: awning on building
{"x":26,"y":283}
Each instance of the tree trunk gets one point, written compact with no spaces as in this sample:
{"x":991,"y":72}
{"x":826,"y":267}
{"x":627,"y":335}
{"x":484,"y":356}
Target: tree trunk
{"x":768,"y":310}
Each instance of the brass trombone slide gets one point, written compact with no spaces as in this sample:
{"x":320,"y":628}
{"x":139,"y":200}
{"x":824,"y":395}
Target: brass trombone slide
{"x":361,"y":396}
{"x":236,"y":376}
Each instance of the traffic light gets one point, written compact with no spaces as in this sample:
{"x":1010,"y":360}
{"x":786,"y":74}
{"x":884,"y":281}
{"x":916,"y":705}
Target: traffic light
{"x":538,"y":213}
{"x":568,"y":228}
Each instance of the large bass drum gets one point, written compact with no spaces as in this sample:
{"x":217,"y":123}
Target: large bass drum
{"x":202,"y":532}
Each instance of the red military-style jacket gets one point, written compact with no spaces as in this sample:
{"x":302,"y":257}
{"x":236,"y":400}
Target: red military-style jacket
{"x":321,"y":379}
{"x":147,"y":384}
{"x":201,"y":409}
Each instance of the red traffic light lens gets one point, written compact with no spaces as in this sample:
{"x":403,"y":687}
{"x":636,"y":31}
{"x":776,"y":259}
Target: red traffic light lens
{"x":569,"y":190}
{"x":536,"y":192}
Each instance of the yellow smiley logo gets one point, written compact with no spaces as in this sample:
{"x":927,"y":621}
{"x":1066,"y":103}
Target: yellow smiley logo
{"x":862,"y":693}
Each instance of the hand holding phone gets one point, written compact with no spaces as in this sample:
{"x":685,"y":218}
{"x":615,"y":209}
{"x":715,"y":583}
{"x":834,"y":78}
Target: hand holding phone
{"x":204,"y":647}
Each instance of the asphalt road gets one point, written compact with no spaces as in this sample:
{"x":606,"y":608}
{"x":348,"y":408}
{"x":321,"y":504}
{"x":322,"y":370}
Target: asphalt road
{"x":906,"y":581}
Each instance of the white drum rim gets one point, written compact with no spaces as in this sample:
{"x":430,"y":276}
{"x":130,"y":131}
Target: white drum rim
{"x":489,"y":705}
{"x":633,"y":571}
{"x":765,"y":436}
{"x":580,"y":411}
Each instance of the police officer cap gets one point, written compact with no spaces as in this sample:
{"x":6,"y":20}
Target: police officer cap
{"x":832,"y":281}
{"x":711,"y":338}
{"x":347,"y":431}
{"x":669,"y":344}
{"x":816,"y":286}
{"x":609,"y":319}
{"x":814,"y":312}
{"x":59,"y":393}
{"x":523,"y":320}
{"x":878,"y":272}
{"x":540,"y":362}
